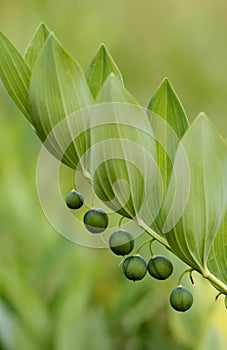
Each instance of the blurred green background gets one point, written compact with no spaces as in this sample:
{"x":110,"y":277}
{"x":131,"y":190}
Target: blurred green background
{"x":61,"y":296}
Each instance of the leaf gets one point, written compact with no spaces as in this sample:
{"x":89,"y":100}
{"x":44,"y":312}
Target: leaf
{"x":206,"y":192}
{"x":100,"y":67}
{"x":15,"y":75}
{"x":169,"y":123}
{"x":58,"y":88}
{"x":122,"y":150}
{"x":36,"y":45}
{"x":217,"y":262}
{"x":113,"y":91}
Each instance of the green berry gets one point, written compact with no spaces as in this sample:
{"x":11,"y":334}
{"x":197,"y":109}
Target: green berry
{"x":74,"y":200}
{"x":181,"y":299}
{"x":134,"y":267}
{"x":121,"y":242}
{"x":96,"y":220}
{"x":160,"y":267}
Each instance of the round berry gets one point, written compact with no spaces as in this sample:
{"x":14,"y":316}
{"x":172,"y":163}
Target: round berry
{"x":121,"y":242}
{"x":96,"y":220}
{"x":181,"y":299}
{"x":160,"y":267}
{"x":134,"y":267}
{"x":74,"y":200}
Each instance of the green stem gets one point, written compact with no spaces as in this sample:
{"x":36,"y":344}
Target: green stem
{"x":209,"y":276}
{"x":86,"y":175}
{"x":74,"y":180}
{"x":120,"y":221}
{"x":152,"y":233}
{"x":184,"y":273}
{"x":219,"y":284}
{"x":151,"y":251}
{"x":143,"y":244}
{"x":93,"y":200}
{"x":217,"y":296}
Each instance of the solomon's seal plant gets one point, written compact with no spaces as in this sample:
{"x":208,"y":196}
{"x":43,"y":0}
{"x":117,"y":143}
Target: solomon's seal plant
{"x":147,"y":165}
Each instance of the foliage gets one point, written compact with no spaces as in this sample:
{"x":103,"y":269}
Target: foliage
{"x":34,"y":94}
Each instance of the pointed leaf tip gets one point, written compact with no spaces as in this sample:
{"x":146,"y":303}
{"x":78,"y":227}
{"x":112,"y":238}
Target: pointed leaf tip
{"x":58,"y":88}
{"x":36,"y":44}
{"x":202,"y":122}
{"x":102,"y":47}
{"x":166,"y":82}
{"x":113,"y":91}
{"x":169,"y":123}
{"x":15,"y":74}
{"x":166,"y":104}
{"x":100,"y":67}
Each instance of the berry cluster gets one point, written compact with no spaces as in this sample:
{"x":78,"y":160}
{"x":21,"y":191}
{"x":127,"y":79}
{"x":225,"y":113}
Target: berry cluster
{"x":135,"y":267}
{"x":95,"y":220}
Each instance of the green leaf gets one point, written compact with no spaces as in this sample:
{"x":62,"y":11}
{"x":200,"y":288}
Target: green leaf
{"x":36,"y":45}
{"x":122,"y":150}
{"x":217,"y":262}
{"x":169,"y":123}
{"x":205,"y":189}
{"x":58,"y":88}
{"x":100,"y":67}
{"x":113,"y":91}
{"x":15,"y":74}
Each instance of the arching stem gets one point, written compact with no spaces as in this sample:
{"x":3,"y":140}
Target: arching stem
{"x":209,"y":276}
{"x":190,"y":276}
{"x":120,"y":221}
{"x":152,"y":233}
{"x":217,"y":296}
{"x":149,"y":241}
{"x":219,"y":284}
